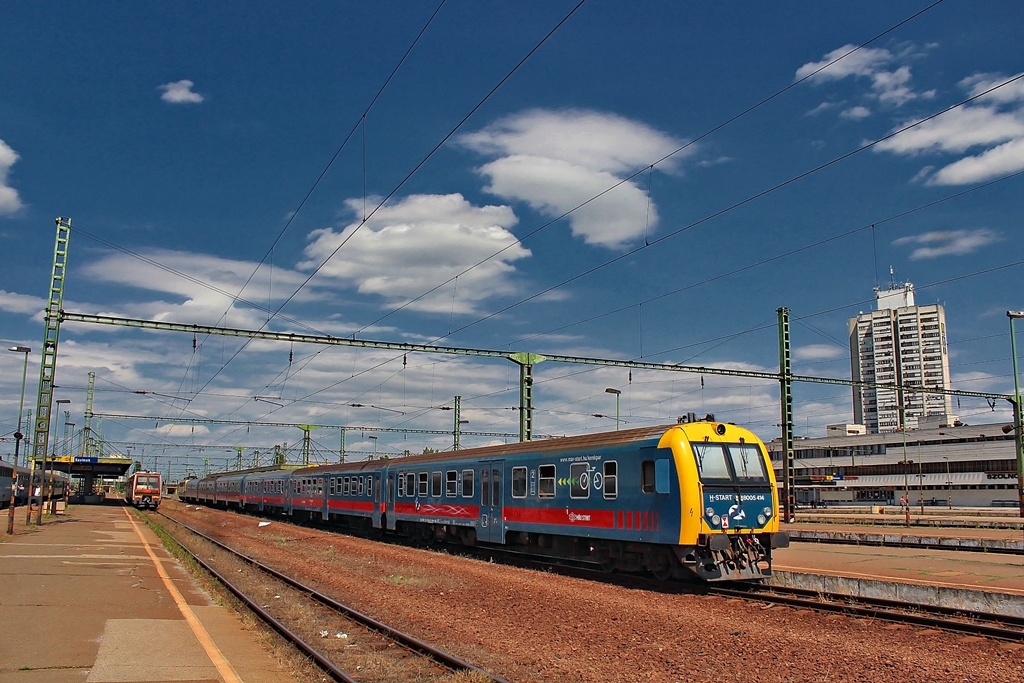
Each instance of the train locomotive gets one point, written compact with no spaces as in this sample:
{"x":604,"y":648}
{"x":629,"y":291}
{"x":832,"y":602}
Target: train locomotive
{"x":690,"y":500}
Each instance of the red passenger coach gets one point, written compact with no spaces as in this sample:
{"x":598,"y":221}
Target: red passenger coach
{"x":143,"y":490}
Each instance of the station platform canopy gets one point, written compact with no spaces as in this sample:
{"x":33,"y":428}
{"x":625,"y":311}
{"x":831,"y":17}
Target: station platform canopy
{"x":82,"y":466}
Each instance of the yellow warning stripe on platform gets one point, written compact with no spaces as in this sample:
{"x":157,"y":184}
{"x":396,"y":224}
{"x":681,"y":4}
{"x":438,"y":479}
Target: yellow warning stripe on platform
{"x":216,"y":656}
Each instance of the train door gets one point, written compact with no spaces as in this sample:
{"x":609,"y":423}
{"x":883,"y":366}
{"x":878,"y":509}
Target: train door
{"x":492,"y":523}
{"x":389,"y":503}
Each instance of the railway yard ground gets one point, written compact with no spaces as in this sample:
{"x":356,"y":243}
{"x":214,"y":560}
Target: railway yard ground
{"x":84,"y":599}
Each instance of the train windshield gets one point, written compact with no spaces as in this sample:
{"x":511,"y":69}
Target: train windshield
{"x":730,"y":463}
{"x":149,"y":482}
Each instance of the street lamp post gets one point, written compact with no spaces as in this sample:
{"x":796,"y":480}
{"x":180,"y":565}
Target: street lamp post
{"x":617,"y":394}
{"x":18,"y":436}
{"x":1018,"y":419}
{"x":46,"y":490}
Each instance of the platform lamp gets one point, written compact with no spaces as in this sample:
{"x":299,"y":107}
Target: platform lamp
{"x":617,"y":394}
{"x":18,"y":436}
{"x":43,"y":489}
{"x":1018,"y":426}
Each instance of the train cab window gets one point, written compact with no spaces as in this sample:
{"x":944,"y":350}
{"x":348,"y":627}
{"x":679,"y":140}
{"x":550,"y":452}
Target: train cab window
{"x":421,"y":483}
{"x":435,"y":484}
{"x":611,"y":479}
{"x":712,"y":463}
{"x":748,"y":463}
{"x":451,"y":483}
{"x":579,"y":480}
{"x":546,"y":481}
{"x":519,"y":482}
{"x":467,"y":483}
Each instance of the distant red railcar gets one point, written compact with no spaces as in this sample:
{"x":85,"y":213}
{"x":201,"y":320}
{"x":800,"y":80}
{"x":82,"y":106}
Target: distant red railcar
{"x":143,"y":490}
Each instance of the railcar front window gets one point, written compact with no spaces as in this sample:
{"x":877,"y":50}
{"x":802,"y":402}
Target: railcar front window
{"x":748,"y":463}
{"x":711,"y":463}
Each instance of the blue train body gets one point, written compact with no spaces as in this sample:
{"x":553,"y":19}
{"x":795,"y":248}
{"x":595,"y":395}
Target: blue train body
{"x":696,"y":499}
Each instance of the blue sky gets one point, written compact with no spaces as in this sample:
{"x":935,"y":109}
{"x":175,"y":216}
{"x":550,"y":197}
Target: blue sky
{"x":198,"y":147}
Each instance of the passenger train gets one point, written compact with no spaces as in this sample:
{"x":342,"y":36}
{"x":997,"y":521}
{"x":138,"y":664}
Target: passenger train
{"x":7,"y":480}
{"x":689,"y":500}
{"x":142,"y":490}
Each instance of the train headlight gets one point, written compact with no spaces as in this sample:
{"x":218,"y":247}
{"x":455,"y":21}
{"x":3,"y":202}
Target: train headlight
{"x":761,"y":519}
{"x":716,"y":521}
{"x":767,"y":512}
{"x":710,"y":512}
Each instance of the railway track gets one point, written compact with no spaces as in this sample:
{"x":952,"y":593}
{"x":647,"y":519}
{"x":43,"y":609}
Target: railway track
{"x":348,"y":642}
{"x":1001,"y":627}
{"x":954,"y":620}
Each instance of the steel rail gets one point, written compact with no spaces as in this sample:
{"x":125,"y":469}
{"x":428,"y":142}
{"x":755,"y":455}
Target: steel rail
{"x":278,"y":626}
{"x":406,"y":640}
{"x":932,"y":616}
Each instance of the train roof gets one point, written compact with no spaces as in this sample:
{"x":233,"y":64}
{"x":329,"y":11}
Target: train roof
{"x":557,"y":444}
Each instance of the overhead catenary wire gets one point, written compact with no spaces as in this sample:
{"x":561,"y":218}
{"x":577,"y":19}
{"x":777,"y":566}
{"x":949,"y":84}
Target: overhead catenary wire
{"x":651,"y":166}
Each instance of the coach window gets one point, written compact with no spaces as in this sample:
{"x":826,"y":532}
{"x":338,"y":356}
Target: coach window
{"x":401,"y":485}
{"x":421,"y":483}
{"x":345,"y":486}
{"x":369,"y":484}
{"x":546,"y":481}
{"x":579,"y":480}
{"x":467,"y":483}
{"x":362,"y":486}
{"x":320,"y":486}
{"x":410,"y":484}
{"x":519,"y":482}
{"x":435,"y":484}
{"x":647,"y":476}
{"x":611,"y":479}
{"x":451,"y":483}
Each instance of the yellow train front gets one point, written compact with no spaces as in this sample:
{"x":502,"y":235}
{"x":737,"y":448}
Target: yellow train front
{"x":730,"y":503}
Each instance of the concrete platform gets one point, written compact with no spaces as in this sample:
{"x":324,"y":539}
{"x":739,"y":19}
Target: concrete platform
{"x":982,"y":569}
{"x":92,"y":596}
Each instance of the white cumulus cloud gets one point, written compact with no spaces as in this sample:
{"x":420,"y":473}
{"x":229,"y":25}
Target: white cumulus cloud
{"x":408,"y":248}
{"x":947,"y":242}
{"x":856,"y":113}
{"x":889,"y":83}
{"x":180,"y":92}
{"x":9,"y":200}
{"x":991,"y":126}
{"x":557,"y":160}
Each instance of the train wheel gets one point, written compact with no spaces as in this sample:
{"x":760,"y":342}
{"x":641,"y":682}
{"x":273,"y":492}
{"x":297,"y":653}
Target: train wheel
{"x":660,"y":565}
